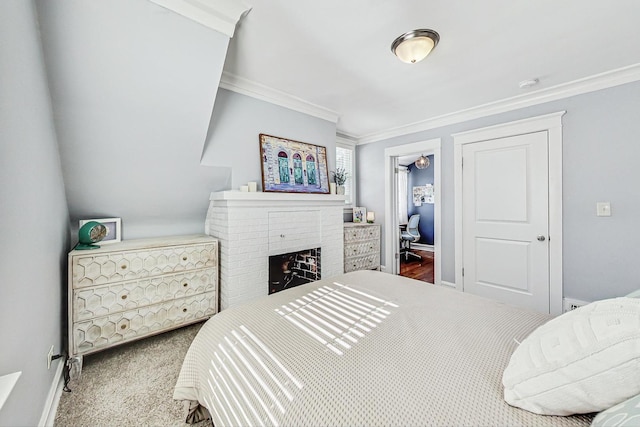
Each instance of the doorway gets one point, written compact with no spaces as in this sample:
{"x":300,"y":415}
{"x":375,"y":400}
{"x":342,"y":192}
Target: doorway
{"x":416,"y":207}
{"x":393,"y":220}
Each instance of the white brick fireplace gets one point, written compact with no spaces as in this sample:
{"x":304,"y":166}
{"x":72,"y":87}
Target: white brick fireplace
{"x":251,"y":226}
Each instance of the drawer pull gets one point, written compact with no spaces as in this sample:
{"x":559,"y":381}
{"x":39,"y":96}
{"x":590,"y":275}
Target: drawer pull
{"x":123,"y":326}
{"x":123,"y":297}
{"x":184,"y":310}
{"x":123,"y":266}
{"x":355,"y":250}
{"x":184,"y":258}
{"x":282,"y":236}
{"x":185,"y":285}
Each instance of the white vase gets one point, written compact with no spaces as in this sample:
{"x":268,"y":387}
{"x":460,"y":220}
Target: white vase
{"x":340,"y":189}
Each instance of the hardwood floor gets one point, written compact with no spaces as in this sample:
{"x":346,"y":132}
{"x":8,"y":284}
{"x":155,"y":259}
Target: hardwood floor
{"x":418,"y":269}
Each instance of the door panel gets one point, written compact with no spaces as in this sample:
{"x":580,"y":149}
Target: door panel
{"x":505,"y":208}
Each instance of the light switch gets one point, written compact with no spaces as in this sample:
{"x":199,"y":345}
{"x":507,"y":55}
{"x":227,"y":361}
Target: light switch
{"x":603,"y":208}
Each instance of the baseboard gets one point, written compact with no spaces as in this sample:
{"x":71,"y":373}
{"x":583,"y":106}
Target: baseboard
{"x":53,"y":398}
{"x":448,"y":284}
{"x":423,"y":247}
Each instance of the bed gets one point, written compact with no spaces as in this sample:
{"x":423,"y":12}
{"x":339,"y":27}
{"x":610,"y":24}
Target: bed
{"x":362,"y":349}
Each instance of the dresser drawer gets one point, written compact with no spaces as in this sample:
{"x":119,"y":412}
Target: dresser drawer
{"x":363,"y":248}
{"x":101,"y":268}
{"x":357,"y":234}
{"x":368,"y":262}
{"x":99,"y":301}
{"x":101,"y":332}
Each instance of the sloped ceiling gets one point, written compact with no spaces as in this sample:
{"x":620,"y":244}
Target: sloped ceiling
{"x":132,"y":87}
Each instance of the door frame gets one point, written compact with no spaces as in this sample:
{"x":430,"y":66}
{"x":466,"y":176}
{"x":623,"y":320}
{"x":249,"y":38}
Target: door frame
{"x":552,"y":124}
{"x":392,"y":242}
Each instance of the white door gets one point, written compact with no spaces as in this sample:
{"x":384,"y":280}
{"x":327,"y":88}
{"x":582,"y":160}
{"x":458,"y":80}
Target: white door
{"x":505,"y":219}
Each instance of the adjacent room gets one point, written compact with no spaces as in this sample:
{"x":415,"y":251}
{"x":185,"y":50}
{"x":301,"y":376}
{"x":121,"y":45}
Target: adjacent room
{"x":274,"y":212}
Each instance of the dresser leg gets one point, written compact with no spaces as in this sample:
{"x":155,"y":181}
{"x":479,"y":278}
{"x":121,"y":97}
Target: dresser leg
{"x":74,"y":367}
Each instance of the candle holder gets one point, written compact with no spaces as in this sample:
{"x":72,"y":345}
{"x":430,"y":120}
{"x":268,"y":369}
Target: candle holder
{"x":371,"y":217}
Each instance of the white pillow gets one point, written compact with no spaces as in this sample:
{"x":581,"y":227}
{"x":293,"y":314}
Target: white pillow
{"x":585,"y":360}
{"x":634,"y":294}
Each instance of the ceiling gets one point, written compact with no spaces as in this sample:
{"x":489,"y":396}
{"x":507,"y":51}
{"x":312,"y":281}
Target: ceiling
{"x":335,"y":55}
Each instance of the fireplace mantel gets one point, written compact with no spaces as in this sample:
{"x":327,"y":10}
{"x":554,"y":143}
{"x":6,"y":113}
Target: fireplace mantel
{"x":266,"y":198}
{"x":251,"y":226}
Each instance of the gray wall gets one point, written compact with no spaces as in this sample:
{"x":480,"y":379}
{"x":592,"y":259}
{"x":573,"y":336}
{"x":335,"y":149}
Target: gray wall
{"x":133,"y":87}
{"x":600,"y":153}
{"x":33,"y":218}
{"x":237,"y":122}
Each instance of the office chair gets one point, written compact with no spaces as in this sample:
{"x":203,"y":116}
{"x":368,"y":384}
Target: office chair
{"x":410,"y":235}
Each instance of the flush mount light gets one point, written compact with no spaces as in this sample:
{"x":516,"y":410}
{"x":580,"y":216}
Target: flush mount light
{"x":422,"y":162}
{"x":415,"y":45}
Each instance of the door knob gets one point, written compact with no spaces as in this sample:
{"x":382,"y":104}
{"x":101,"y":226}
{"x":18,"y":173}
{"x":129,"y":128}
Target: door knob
{"x":541,"y":238}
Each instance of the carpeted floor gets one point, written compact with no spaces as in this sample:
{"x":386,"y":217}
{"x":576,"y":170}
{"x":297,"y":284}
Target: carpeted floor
{"x":129,"y":385}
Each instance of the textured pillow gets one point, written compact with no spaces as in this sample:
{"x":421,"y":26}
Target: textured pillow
{"x":634,"y":294}
{"x":625,"y":414}
{"x":585,"y":360}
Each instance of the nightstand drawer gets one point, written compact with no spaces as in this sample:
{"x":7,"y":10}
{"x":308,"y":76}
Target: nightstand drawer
{"x":368,"y":262}
{"x":356,"y":234}
{"x":363,"y":248}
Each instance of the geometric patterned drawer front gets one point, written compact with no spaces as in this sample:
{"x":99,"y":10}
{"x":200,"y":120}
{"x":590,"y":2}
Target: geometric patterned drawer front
{"x":361,"y":247}
{"x":103,"y":268}
{"x":364,"y":248}
{"x":368,"y":262}
{"x":101,"y":332}
{"x":360,"y":233}
{"x":99,"y":301}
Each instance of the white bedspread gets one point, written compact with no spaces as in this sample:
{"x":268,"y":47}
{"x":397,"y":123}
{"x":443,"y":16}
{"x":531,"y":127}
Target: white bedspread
{"x":363,"y":349}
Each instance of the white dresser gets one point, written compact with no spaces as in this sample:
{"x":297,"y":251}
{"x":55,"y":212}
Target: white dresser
{"x":137,"y":288}
{"x":361,"y":246}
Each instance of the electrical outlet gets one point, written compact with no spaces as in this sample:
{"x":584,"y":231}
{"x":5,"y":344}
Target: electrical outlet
{"x":49,"y":357}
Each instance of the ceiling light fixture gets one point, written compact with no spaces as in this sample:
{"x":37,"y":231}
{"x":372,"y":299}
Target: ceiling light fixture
{"x":415,"y":45}
{"x":422,"y":162}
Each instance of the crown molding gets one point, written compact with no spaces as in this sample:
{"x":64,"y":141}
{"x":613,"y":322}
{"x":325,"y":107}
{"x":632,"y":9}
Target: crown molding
{"x":347,"y":142}
{"x":593,"y":83}
{"x":219,"y":15}
{"x":259,"y":91}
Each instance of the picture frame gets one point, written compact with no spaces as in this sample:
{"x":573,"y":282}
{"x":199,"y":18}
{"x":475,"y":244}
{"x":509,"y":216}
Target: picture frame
{"x":359,"y":214}
{"x":114,"y":229}
{"x":290,"y":166}
{"x":423,"y":194}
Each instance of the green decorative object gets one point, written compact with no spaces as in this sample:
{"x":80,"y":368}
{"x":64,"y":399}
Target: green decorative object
{"x":90,"y":233}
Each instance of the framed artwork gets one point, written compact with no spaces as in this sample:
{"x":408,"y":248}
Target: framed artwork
{"x":114,"y":229}
{"x":292,"y":166}
{"x":423,"y":194}
{"x":359,"y":214}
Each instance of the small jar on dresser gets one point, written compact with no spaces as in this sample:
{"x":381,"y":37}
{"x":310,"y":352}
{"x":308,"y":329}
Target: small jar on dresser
{"x":137,"y":288}
{"x":361,"y":246}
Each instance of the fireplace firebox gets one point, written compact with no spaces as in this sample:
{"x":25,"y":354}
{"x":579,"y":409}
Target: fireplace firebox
{"x":293,"y":269}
